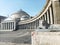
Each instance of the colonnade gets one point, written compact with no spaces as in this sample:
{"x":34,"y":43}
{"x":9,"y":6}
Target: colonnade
{"x":8,"y":26}
{"x":48,"y":16}
{"x":50,"y":13}
{"x":32,"y":25}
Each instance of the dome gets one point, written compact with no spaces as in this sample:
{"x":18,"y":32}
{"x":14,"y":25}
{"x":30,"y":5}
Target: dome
{"x":19,"y":14}
{"x":24,"y":18}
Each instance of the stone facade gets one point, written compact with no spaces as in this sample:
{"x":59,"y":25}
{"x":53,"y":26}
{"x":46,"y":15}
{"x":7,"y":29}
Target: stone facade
{"x":50,"y":14}
{"x":46,"y":38}
{"x":56,"y":11}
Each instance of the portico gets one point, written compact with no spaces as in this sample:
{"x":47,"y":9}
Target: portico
{"x":8,"y":26}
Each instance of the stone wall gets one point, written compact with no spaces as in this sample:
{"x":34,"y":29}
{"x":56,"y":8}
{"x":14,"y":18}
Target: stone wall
{"x":45,"y":38}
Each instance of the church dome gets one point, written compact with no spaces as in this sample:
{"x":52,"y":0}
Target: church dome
{"x":19,"y":14}
{"x":24,"y":17}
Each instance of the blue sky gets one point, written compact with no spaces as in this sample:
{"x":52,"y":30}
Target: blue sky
{"x":32,"y":7}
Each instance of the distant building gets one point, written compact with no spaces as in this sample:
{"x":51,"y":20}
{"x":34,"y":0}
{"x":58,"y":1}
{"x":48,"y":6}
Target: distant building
{"x":2,"y":18}
{"x":22,"y":20}
{"x":11,"y":22}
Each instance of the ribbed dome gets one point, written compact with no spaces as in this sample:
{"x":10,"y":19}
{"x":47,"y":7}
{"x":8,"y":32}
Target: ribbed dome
{"x":19,"y":14}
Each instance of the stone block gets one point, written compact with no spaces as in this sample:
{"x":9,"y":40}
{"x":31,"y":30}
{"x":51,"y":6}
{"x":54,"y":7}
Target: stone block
{"x":46,"y":38}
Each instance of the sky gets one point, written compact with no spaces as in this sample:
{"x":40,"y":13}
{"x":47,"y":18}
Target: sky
{"x":32,"y":7}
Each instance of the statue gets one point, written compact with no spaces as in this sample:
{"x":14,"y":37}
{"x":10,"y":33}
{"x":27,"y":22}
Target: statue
{"x":43,"y":24}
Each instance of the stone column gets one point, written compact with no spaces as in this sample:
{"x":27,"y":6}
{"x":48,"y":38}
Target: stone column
{"x":2,"y":26}
{"x":35,"y":24}
{"x":56,"y":11}
{"x":5,"y":26}
{"x":30,"y":25}
{"x":38,"y":22}
{"x":51,"y":15}
{"x":47,"y":17}
{"x":10,"y":25}
{"x":15,"y":25}
{"x":43,"y":17}
{"x":26,"y":26}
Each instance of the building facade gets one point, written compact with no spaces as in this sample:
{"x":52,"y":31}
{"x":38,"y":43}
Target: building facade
{"x":21,"y":20}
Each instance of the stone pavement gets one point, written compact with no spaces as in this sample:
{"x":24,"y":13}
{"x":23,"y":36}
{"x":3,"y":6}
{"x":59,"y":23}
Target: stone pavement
{"x":20,"y":37}
{"x":4,"y":43}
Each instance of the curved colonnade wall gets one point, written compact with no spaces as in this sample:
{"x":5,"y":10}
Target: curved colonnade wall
{"x":50,"y":13}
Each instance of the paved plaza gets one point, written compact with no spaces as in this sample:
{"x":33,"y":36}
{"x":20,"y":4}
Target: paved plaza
{"x":17,"y":37}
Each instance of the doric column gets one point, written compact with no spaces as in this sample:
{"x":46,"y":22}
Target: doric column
{"x":26,"y":26}
{"x":35,"y":24}
{"x":56,"y":11}
{"x":7,"y":25}
{"x":47,"y":17}
{"x":10,"y":25}
{"x":30,"y":25}
{"x":51,"y":15}
{"x":2,"y":26}
{"x":43,"y":17}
